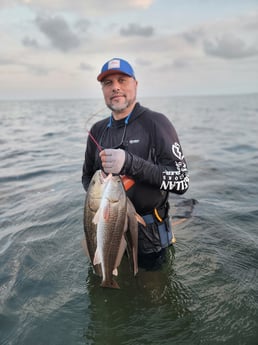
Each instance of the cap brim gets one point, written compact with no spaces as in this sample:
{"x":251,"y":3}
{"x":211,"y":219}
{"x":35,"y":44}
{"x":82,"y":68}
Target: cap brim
{"x":103,"y":75}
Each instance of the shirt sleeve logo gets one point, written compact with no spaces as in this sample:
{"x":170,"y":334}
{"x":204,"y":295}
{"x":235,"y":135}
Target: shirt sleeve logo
{"x":176,"y":150}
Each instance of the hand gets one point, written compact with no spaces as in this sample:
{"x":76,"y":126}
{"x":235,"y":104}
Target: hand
{"x":112,"y":160}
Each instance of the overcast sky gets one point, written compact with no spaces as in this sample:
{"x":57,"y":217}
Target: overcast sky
{"x":55,"y":49}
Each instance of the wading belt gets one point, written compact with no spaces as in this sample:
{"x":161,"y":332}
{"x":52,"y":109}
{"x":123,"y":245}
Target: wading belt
{"x":163,"y":225}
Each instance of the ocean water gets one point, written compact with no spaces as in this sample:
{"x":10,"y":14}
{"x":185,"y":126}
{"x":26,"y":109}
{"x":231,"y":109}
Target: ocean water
{"x":206,"y":293}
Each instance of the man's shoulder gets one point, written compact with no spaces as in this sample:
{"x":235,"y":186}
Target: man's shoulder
{"x":154,"y":116}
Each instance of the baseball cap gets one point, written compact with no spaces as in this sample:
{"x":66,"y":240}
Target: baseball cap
{"x":116,"y":65}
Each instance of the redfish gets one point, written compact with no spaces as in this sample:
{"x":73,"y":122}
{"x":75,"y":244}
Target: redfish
{"x":111,"y":220}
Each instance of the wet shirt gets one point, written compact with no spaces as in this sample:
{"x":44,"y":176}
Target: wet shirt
{"x":154,"y":157}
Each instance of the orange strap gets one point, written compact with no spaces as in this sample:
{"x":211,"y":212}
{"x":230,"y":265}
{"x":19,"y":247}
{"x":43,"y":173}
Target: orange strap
{"x":127,"y":182}
{"x":157,"y":215}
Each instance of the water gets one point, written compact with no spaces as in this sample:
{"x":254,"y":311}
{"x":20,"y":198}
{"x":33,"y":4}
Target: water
{"x":207,"y":291}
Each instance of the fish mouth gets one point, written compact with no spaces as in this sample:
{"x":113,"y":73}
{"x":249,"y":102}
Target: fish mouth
{"x":102,"y":177}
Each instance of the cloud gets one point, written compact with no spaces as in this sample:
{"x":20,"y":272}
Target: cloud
{"x":192,"y":36}
{"x":134,"y":29}
{"x":143,"y":62}
{"x":180,"y":63}
{"x":58,"y":32}
{"x":138,"y":3}
{"x":181,"y":49}
{"x":30,"y":67}
{"x":4,"y":62}
{"x":37,"y":70}
{"x":249,"y":22}
{"x":85,"y":67}
{"x":82,"y":25}
{"x":229,"y":46}
{"x":6,"y":3}
{"x":30,"y":42}
{"x":90,"y":7}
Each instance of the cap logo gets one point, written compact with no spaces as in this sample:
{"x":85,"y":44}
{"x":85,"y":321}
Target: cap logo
{"x":114,"y":64}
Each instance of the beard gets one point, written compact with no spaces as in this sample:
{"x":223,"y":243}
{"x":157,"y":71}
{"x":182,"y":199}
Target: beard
{"x":120,"y":107}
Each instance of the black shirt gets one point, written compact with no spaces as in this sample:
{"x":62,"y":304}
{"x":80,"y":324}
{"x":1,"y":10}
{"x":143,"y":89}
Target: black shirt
{"x":154,"y":158}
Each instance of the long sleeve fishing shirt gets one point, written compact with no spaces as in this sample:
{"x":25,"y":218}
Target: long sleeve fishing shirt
{"x":154,"y":157}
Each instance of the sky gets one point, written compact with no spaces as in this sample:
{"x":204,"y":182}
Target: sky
{"x":55,"y":49}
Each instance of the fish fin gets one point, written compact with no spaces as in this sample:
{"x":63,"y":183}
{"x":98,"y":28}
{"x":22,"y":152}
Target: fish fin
{"x":106,"y":212}
{"x":96,"y":259}
{"x":179,"y":221}
{"x":135,"y":261}
{"x":120,"y":253}
{"x":110,"y":284}
{"x":132,"y":213}
{"x":95,"y":219}
{"x":140,"y":219}
{"x":85,"y":247}
{"x":98,"y":270}
{"x":131,"y":236}
{"x":115,"y":272}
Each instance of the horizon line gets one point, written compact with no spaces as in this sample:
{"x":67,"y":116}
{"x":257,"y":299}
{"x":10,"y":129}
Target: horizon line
{"x":20,"y":99}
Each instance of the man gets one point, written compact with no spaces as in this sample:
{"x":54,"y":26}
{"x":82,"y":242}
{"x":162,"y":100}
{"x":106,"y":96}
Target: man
{"x":142,"y":145}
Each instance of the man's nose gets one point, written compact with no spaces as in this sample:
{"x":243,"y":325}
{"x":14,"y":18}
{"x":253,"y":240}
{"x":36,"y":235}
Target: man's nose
{"x":116,"y":86}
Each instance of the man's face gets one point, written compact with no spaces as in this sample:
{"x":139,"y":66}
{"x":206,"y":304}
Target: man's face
{"x":119,"y":92}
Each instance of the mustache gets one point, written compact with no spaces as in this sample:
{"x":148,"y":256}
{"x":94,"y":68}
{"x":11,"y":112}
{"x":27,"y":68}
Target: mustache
{"x":115,"y":94}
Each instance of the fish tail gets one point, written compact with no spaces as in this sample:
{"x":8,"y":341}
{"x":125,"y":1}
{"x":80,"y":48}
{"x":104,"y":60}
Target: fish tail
{"x":110,"y":284}
{"x":98,"y":270}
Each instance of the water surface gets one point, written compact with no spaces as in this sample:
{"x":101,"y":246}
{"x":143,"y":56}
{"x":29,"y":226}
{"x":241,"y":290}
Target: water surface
{"x":206,"y":293}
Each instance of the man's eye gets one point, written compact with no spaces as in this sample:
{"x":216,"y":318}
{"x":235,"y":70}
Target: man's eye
{"x":106,"y":83}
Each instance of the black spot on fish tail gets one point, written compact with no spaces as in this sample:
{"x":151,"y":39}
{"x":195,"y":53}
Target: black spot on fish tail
{"x":112,"y":284}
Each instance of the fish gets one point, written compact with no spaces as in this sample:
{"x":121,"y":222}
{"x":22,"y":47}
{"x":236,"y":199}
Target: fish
{"x":91,"y":206}
{"x":131,"y":235}
{"x":112,"y":223}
